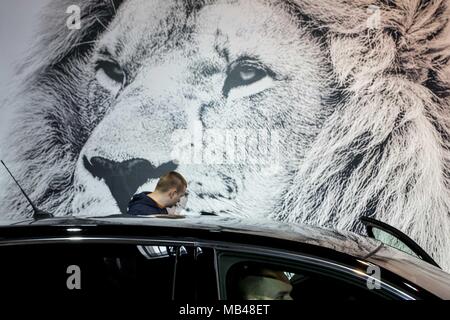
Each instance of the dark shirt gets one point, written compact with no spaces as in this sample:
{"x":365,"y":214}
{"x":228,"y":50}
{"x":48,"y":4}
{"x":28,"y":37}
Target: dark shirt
{"x":142,"y":204}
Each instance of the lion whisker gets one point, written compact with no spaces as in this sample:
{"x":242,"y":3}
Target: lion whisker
{"x":101,"y":23}
{"x":113,"y":6}
{"x":85,"y":42}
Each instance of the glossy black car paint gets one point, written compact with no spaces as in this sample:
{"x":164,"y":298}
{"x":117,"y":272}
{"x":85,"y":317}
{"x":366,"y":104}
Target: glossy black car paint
{"x":343,"y":248}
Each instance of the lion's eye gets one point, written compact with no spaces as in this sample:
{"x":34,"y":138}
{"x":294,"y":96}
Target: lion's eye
{"x":110,"y":75}
{"x":244,"y":75}
{"x":249,"y":74}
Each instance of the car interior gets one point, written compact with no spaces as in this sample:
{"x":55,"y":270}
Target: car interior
{"x":306,"y":285}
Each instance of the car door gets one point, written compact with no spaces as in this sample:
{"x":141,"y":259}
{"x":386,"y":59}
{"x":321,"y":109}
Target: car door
{"x":152,"y":270}
{"x":395,"y":238}
{"x":195,"y":274}
{"x":263,"y":273}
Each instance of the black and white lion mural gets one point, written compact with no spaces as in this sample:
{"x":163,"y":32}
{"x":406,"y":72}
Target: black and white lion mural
{"x":301,"y":110}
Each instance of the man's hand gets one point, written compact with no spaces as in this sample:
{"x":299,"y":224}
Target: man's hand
{"x":178,"y":208}
{"x":172,"y":211}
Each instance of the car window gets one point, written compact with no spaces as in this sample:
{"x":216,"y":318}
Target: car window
{"x":392,"y":241}
{"x":395,"y":238}
{"x":85,"y":268}
{"x":249,"y":277}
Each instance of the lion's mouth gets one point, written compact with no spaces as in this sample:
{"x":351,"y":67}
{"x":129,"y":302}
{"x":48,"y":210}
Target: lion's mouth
{"x":124,"y":178}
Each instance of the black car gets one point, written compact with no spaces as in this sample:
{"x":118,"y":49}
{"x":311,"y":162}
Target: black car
{"x":209,"y":258}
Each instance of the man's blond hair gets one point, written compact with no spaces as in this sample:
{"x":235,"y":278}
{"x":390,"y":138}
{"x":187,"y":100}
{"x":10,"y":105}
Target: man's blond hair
{"x":171,"y":179}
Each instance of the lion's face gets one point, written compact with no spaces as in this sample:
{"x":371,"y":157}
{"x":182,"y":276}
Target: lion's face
{"x":317,"y":112}
{"x":229,"y":96}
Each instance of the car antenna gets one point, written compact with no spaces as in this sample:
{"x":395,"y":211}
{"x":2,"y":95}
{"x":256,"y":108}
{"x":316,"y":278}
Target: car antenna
{"x":37,"y":213}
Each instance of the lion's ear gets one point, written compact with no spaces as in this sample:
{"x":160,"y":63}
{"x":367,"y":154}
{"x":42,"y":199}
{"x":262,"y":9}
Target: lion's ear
{"x":422,"y":36}
{"x":56,"y":41}
{"x":440,"y":50}
{"x":369,"y":39}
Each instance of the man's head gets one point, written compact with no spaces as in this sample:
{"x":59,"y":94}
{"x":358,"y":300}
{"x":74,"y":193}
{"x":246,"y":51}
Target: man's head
{"x":170,"y":188}
{"x":264,"y":284}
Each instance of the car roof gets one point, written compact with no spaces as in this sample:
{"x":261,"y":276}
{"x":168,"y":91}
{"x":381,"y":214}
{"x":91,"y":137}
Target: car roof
{"x":411,"y":268}
{"x":340,"y":241}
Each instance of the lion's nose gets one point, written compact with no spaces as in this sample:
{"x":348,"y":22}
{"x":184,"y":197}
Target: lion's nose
{"x":124,"y":178}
